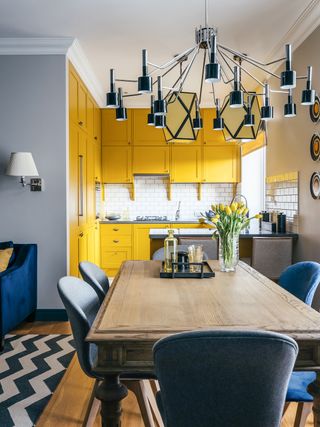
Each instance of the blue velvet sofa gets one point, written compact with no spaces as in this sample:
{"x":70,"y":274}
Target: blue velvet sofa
{"x":18,"y":289}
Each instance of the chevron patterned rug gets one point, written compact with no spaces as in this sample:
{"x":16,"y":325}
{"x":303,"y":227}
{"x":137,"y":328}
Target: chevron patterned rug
{"x":31,"y":368}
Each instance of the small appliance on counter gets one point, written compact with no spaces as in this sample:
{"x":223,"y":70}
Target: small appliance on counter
{"x":151,"y":218}
{"x":282,"y":221}
{"x":273,"y":221}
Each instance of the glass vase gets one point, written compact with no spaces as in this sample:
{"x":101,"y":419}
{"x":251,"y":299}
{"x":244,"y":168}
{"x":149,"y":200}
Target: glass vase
{"x":228,"y":251}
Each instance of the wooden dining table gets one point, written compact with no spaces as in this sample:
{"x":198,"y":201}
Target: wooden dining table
{"x":140,"y":308}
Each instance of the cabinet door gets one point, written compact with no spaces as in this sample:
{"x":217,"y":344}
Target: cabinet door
{"x":73,"y":98}
{"x":90,"y":117}
{"x":82,"y":247}
{"x":97,"y":125}
{"x":151,"y":160}
{"x":91,"y":244}
{"x":116,"y":164}
{"x":210,"y":136}
{"x":114,"y":132}
{"x":97,"y":162}
{"x":82,"y":106}
{"x":141,"y":240}
{"x":97,"y":243}
{"x":185,"y":164}
{"x":220,"y":164}
{"x":82,"y":178}
{"x":142,"y":133}
{"x":73,"y":195}
{"x":91,"y":205}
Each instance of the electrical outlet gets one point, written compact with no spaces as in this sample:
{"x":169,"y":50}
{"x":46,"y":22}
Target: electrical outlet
{"x":36,"y":184}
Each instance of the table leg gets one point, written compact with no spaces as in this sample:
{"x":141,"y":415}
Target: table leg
{"x":111,"y":392}
{"x":314,"y":390}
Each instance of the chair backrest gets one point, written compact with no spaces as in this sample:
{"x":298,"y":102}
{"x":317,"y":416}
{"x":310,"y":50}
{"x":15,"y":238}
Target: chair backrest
{"x":301,"y":280}
{"x":159,"y":254}
{"x":270,"y":256}
{"x":82,"y":304}
{"x":223,"y":378}
{"x":210,"y":246}
{"x":96,"y":277}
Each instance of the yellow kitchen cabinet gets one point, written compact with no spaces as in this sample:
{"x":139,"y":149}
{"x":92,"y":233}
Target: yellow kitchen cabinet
{"x":143,"y":134}
{"x":189,"y":225}
{"x":97,"y":161}
{"x":82,"y":247}
{"x":73,"y":97}
{"x":97,"y":243}
{"x":116,"y":164}
{"x":141,"y":240}
{"x":73,"y":177}
{"x":186,"y":164}
{"x":111,"y":260}
{"x":221,"y":163}
{"x":115,"y":132}
{"x":97,"y":124}
{"x":90,"y":116}
{"x":151,"y":160}
{"x":82,"y":106}
{"x":82,"y":178}
{"x":210,"y":136}
{"x":90,"y":232}
{"x":91,"y":188}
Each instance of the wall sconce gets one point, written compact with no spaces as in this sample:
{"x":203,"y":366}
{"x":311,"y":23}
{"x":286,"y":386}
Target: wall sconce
{"x":22,"y":164}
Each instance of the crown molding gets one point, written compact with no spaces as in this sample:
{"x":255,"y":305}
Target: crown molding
{"x":80,"y":62}
{"x":300,"y":30}
{"x":35,"y":45}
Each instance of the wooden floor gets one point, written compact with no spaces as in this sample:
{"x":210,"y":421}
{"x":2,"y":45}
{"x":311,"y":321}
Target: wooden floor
{"x":68,"y":403}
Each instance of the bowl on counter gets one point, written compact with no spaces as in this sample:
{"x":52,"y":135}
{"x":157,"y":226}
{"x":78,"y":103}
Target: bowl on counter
{"x":113,"y":216}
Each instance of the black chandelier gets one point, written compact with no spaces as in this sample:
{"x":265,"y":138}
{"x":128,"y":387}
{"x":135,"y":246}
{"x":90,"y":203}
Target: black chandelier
{"x":240,"y":115}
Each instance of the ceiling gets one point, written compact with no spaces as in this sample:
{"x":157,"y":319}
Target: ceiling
{"x":113,"y":32}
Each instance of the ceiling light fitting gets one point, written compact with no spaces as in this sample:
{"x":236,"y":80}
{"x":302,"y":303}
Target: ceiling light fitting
{"x":220,"y":64}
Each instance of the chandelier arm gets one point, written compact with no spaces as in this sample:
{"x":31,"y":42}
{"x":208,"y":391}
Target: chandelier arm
{"x":128,"y":95}
{"x":202,"y":76}
{"x":245,"y":70}
{"x":176,"y":82}
{"x":126,"y":80}
{"x":172,"y":61}
{"x":243,"y":56}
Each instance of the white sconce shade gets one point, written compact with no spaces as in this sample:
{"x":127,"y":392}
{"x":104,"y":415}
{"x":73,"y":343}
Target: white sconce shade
{"x":21,"y":164}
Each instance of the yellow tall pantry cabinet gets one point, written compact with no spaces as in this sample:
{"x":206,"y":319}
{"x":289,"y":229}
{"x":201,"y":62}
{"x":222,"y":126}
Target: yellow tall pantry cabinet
{"x":84,"y":173}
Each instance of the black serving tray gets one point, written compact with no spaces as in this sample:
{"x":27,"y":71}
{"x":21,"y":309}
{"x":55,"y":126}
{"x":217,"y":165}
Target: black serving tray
{"x":205,"y":273}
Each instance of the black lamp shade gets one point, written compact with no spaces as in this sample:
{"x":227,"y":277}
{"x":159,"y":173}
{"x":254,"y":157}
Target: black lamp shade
{"x":197,"y":123}
{"x":212,"y":73}
{"x":144,"y":84}
{"x":112,"y":100}
{"x":218,"y":123}
{"x":288,"y":79}
{"x":308,"y":97}
{"x":266,"y":112}
{"x":236,"y":99}
{"x":160,"y":122}
{"x":151,"y":119}
{"x":248,"y":120}
{"x":290,"y":110}
{"x":121,"y":114}
{"x":160,"y":107}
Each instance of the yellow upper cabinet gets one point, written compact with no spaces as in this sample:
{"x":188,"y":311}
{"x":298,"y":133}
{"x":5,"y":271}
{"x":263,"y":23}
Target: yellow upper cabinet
{"x":185,"y":164}
{"x":113,"y":131}
{"x":151,"y":160}
{"x":117,"y":164}
{"x":90,"y":116}
{"x":91,"y":206}
{"x":82,"y":106}
{"x":142,"y":133}
{"x":210,"y":136}
{"x":97,"y":124}
{"x":221,"y":163}
{"x":97,"y":162}
{"x":73,"y":98}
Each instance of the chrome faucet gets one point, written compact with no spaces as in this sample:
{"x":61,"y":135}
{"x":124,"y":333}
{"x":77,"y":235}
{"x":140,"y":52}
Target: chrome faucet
{"x":177,"y":217}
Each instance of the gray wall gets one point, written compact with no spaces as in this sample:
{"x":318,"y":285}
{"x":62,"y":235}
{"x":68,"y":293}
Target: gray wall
{"x":33,"y":118}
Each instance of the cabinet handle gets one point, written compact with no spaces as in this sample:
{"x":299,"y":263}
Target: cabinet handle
{"x":80,"y":123}
{"x":116,"y":241}
{"x":115,"y":229}
{"x":95,"y":137}
{"x":81,"y":185}
{"x":204,"y":142}
{"x":81,"y":234}
{"x":129,"y":142}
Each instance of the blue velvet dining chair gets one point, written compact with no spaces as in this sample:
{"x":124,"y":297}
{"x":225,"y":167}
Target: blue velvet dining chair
{"x":96,"y":277}
{"x":223,"y":378}
{"x":301,"y":280}
{"x":82,"y":304}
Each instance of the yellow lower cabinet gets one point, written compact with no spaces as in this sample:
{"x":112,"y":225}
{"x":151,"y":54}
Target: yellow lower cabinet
{"x":185,"y":164}
{"x":191,"y":225}
{"x":141,"y":249}
{"x":151,"y":160}
{"x":221,"y":163}
{"x":112,"y":260}
{"x":116,"y":164}
{"x":82,"y":247}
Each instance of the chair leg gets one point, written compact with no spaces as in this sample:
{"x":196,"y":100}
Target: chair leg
{"x":151,"y":389}
{"x":138,"y":388}
{"x":303,"y":411}
{"x":286,"y":406}
{"x":92,"y":408}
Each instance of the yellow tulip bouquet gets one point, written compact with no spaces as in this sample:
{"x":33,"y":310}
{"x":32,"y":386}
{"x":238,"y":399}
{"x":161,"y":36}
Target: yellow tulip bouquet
{"x":229,"y":220}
